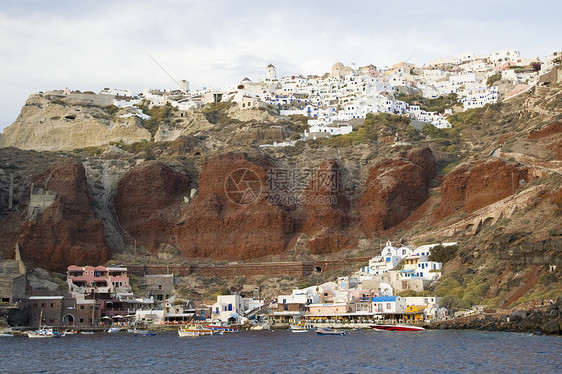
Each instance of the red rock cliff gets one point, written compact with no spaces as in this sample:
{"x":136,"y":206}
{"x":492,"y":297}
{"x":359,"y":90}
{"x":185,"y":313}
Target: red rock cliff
{"x":394,"y":189}
{"x":476,"y":184}
{"x":231,"y":218}
{"x":68,"y":232}
{"x":148,"y":201}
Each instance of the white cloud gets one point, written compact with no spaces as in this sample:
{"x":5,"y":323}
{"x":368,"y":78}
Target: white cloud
{"x":91,"y":45}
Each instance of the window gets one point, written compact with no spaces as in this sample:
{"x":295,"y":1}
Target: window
{"x":81,"y":320}
{"x":52,"y":305}
{"x":81,"y":306}
{"x":388,"y":306}
{"x":229,"y":307}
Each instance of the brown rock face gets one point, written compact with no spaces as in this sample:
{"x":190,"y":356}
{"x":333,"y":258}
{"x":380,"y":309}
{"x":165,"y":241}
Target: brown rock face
{"x":492,"y":181}
{"x":453,"y":192}
{"x":68,"y":232}
{"x":231,"y":217}
{"x":394,"y":189}
{"x":148,"y":200}
{"x":325,"y":205}
{"x":550,"y":138}
{"x":326,"y":210}
{"x":474,"y":185}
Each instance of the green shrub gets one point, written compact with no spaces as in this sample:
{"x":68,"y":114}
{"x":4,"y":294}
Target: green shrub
{"x":443,"y":254}
{"x":494,"y":78}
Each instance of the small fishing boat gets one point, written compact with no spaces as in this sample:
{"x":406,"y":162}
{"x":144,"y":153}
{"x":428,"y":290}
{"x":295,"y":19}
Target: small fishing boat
{"x":6,"y":335}
{"x":327,"y":331}
{"x":397,"y":328}
{"x":87,"y":332}
{"x":112,"y":330}
{"x":45,"y":332}
{"x":194,"y":331}
{"x":225,"y":327}
{"x":300,"y":328}
{"x":70,"y":332}
{"x":145,"y":333}
{"x":260,"y":327}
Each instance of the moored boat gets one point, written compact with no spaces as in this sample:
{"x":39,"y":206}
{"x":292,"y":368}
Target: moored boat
{"x":45,"y":332}
{"x":194,"y":331}
{"x":113,"y":330}
{"x":397,"y":328}
{"x":300,"y":328}
{"x":327,"y":331}
{"x":222,"y":327}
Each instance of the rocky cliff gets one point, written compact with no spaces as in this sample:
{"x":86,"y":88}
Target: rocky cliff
{"x":47,"y":124}
{"x":66,"y":231}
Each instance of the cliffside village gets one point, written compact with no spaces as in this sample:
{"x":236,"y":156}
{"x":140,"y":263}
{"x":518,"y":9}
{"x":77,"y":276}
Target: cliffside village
{"x":350,"y":92}
{"x":98,"y":296}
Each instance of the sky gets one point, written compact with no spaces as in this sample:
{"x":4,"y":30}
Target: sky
{"x":89,"y":45}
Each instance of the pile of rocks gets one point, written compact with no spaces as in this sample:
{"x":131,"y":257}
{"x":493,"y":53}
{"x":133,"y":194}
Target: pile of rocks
{"x":545,"y":319}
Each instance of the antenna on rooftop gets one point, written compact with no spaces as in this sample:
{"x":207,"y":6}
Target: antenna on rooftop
{"x":182,"y":87}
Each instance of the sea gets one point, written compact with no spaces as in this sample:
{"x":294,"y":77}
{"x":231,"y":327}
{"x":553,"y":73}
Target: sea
{"x":280,"y":351}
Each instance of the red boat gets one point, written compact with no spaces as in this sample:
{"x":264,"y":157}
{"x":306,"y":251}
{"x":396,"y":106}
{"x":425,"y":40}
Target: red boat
{"x":397,"y":328}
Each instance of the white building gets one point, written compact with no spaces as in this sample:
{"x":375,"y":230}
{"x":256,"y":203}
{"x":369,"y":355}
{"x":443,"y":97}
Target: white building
{"x":388,"y":305}
{"x":503,"y":55}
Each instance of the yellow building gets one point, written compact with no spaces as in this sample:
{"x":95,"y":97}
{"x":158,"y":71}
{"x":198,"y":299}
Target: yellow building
{"x":414,"y":313}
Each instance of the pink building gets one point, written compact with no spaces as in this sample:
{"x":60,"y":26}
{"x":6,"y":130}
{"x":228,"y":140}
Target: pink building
{"x":88,"y":279}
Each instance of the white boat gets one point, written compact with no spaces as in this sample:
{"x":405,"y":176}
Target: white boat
{"x":5,"y":335}
{"x":87,"y":332}
{"x":260,"y":327}
{"x":397,"y":328}
{"x":194,"y":331}
{"x":224,"y":327}
{"x":327,"y":331}
{"x":45,"y":332}
{"x":300,"y":328}
{"x":113,"y":330}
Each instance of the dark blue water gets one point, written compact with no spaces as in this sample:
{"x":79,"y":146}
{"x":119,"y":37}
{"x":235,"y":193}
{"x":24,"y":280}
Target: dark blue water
{"x":285,"y":352}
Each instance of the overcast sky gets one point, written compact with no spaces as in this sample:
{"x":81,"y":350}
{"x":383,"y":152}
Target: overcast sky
{"x":89,"y":45}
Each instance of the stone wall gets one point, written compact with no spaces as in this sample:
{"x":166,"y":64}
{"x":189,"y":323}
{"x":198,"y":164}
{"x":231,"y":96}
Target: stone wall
{"x":252,"y":270}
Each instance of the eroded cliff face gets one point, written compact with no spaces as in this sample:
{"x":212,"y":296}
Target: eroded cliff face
{"x":479,"y":183}
{"x":66,"y":232}
{"x":240,"y":212}
{"x":394,"y":189}
{"x":52,"y":125}
{"x":231,"y":218}
{"x":148,"y":202}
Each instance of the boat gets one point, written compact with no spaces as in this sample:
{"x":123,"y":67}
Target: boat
{"x":137,"y":331}
{"x":6,"y":335}
{"x":45,"y":332}
{"x":397,"y":328}
{"x":226,"y":327}
{"x":194,"y":330}
{"x":300,"y":328}
{"x":328,"y":331}
{"x":145,"y":333}
{"x":87,"y":332}
{"x":260,"y":327}
{"x":70,"y":332}
{"x":113,"y":330}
